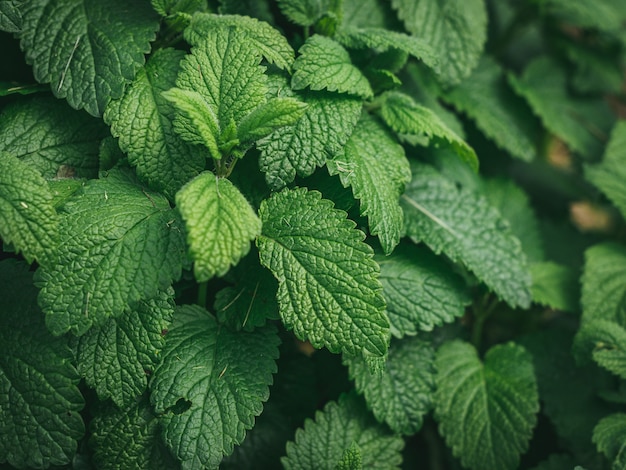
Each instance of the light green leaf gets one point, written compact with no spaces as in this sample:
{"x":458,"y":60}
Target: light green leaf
{"x":142,"y":120}
{"x":267,"y":118}
{"x":322,"y":444}
{"x":324,"y":64}
{"x":368,"y":13}
{"x":610,"y":174}
{"x":48,"y":135}
{"x":463,"y":225}
{"x":421,"y":290}
{"x":351,"y":459}
{"x":405,"y":116}
{"x":328,"y":288}
{"x":609,"y":436}
{"x":603,"y":283}
{"x":305,"y":12}
{"x":27,"y":217}
{"x":10,"y":16}
{"x":375,"y":166}
{"x":115,"y":358}
{"x":220,"y":224}
{"x":605,"y":342}
{"x":486,"y":411}
{"x":501,"y":115}
{"x":87,"y":49}
{"x":555,"y":286}
{"x":40,"y":402}
{"x":403,"y":394}
{"x":118,"y":244}
{"x":456,"y":29}
{"x":210,"y":385}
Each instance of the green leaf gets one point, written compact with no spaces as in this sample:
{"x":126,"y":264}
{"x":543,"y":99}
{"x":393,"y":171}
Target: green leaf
{"x":351,"y":459}
{"x":322,"y":444}
{"x":605,"y":15}
{"x":86,"y":49}
{"x":27,"y":217}
{"x":405,"y":116}
{"x":455,"y":29}
{"x":403,"y":394}
{"x":324,"y":64}
{"x":610,"y":174}
{"x":267,"y":118}
{"x":118,"y":244}
{"x":142,"y":120}
{"x":557,"y":462}
{"x":486,"y":410}
{"x":421,"y":290}
{"x":220,"y":224}
{"x":40,"y":402}
{"x":368,"y":13}
{"x":116,"y":359}
{"x":10,"y":16}
{"x":260,"y":9}
{"x":305,"y":12}
{"x":461,"y":224}
{"x":605,"y":342}
{"x":210,"y":385}
{"x":609,"y":436}
{"x":47,"y":134}
{"x":375,"y":166}
{"x":328,"y":288}
{"x":501,"y":115}
{"x":172,"y":7}
{"x":555,"y":286}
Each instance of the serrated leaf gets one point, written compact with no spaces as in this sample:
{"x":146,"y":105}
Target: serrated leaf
{"x":118,"y":244}
{"x":10,"y":16}
{"x":555,"y":286}
{"x":351,"y":459}
{"x":405,"y":116}
{"x":173,"y":7}
{"x":403,"y":394}
{"x":87,"y":50}
{"x":486,"y":410}
{"x":304,"y":12}
{"x":318,"y":135}
{"x":48,"y":135}
{"x":462,"y":224}
{"x":220,"y":224}
{"x":40,"y":402}
{"x":322,"y":443}
{"x":368,"y":13}
{"x":27,"y":217}
{"x":609,"y":436}
{"x":324,"y":64}
{"x":501,"y":115}
{"x":603,"y":280}
{"x":221,"y":378}
{"x":328,"y":288}
{"x":116,"y":358}
{"x":420,"y":290}
{"x":142,"y":120}
{"x":605,"y":342}
{"x":455,"y":29}
{"x":267,"y":118}
{"x":373,"y":164}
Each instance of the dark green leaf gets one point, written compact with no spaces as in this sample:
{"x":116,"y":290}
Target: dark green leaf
{"x":10,"y":16}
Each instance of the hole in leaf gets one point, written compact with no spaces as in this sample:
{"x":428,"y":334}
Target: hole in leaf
{"x":181,"y":406}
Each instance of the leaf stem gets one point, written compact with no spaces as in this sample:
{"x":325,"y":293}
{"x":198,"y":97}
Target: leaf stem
{"x":482,"y":311}
{"x":203,"y":288}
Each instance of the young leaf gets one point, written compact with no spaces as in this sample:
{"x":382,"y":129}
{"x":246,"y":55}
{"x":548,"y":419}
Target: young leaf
{"x":457,"y":30}
{"x":40,"y":402}
{"x":375,"y":166}
{"x":343,"y":426}
{"x":27,"y":217}
{"x":403,"y":394}
{"x":405,"y":116}
{"x":486,"y":411}
{"x":118,"y":244}
{"x":603,"y":280}
{"x":87,"y":50}
{"x":220,"y":224}
{"x":420,"y":289}
{"x":324,"y":64}
{"x":328,"y":288}
{"x":555,"y":286}
{"x":465,"y":227}
{"x":609,"y":436}
{"x":605,"y":342}
{"x":142,"y":120}
{"x":267,"y":118}
{"x":210,"y":385}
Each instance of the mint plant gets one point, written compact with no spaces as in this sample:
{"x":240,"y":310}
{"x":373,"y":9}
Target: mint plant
{"x":313,"y":234}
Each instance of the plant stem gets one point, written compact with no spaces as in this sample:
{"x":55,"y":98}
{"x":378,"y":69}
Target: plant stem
{"x":482,"y":311}
{"x":202,"y":293}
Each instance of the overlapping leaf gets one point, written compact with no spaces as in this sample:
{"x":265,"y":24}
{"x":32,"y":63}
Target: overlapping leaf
{"x":605,"y":342}
{"x":603,"y":282}
{"x":305,"y":12}
{"x":610,"y":438}
{"x":555,"y":286}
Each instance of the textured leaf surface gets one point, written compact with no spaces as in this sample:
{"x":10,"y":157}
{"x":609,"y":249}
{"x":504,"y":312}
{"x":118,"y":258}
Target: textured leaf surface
{"x":324,"y":64}
{"x":465,"y":227}
{"x":222,"y":379}
{"x":610,"y":438}
{"x":368,"y":13}
{"x":265,"y":119}
{"x":373,"y":164}
{"x":403,"y":393}
{"x":420,"y":289}
{"x":86,"y":49}
{"x":555,"y":286}
{"x":605,"y":342}
{"x":486,"y":411}
{"x":118,"y":244}
{"x":456,"y":29}
{"x":49,"y":136}
{"x":304,"y":12}
{"x":116,"y":358}
{"x":603,"y":280}
{"x":27,"y":217}
{"x":142,"y":120}
{"x":10,"y":16}
{"x":322,"y":443}
{"x":328,"y":291}
{"x":405,"y":116}
{"x":220,"y":224}
{"x":39,"y":398}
